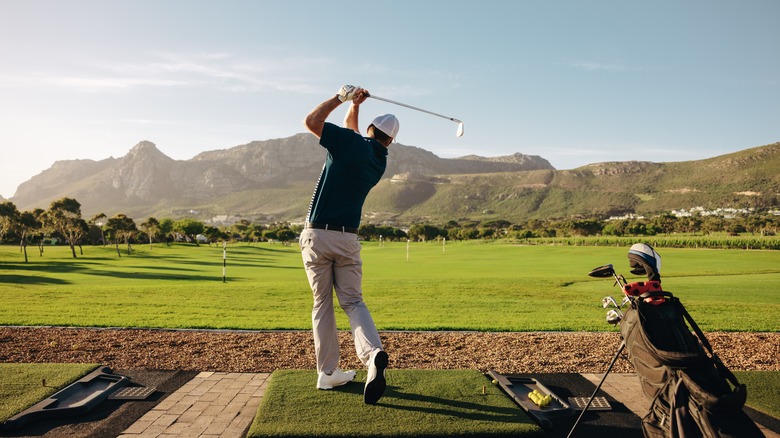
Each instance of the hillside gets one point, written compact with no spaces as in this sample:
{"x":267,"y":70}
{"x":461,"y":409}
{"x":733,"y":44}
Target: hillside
{"x":270,"y":179}
{"x":745,"y":178}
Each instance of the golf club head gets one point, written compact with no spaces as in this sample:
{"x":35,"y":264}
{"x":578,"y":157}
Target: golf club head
{"x":602,"y":271}
{"x":625,"y":302}
{"x":460,"y":129}
{"x":606,"y":301}
{"x":613,"y":317}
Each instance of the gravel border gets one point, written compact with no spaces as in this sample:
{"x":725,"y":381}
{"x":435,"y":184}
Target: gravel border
{"x":264,"y":351}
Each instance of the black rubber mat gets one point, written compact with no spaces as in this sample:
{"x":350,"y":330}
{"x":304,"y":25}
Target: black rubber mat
{"x":619,"y":422}
{"x":111,"y":417}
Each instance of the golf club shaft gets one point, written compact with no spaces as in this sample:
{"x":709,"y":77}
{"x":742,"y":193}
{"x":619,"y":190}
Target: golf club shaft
{"x":590,"y":400}
{"x":414,"y":108}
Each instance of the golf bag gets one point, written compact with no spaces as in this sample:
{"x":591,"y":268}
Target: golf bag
{"x":693,"y":393}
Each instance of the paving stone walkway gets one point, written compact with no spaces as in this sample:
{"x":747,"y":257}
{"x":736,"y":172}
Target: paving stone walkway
{"x":209,"y":405}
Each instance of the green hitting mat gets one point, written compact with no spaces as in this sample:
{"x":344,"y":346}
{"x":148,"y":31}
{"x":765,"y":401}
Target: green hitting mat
{"x":417,"y":403}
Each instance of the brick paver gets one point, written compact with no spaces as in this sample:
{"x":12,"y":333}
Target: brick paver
{"x":209,"y":405}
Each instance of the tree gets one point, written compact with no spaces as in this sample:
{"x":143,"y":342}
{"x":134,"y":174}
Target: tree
{"x":152,"y":229}
{"x":269,"y":234}
{"x":664,"y":223}
{"x":9,"y":217}
{"x":367,"y":231}
{"x":214,"y":234}
{"x":425,"y":232}
{"x":97,"y":220}
{"x":166,"y":229}
{"x":586,"y":227}
{"x":44,"y":227}
{"x":256,"y":232}
{"x":121,"y":228}
{"x":285,"y":234}
{"x":190,"y":228}
{"x":65,"y":218}
{"x":241,"y":228}
{"x":28,"y":226}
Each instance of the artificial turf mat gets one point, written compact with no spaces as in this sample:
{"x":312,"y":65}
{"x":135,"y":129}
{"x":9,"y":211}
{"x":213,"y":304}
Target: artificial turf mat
{"x":417,"y":403}
{"x":23,"y":385}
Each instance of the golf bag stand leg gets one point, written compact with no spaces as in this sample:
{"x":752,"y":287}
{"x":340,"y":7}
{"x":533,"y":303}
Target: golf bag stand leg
{"x":587,"y":405}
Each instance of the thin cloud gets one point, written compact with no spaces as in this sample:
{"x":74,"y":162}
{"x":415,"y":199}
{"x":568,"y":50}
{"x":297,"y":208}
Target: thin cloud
{"x":599,"y":66}
{"x":220,"y":71}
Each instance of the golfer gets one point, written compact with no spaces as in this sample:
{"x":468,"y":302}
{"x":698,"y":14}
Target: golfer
{"x":329,"y":242}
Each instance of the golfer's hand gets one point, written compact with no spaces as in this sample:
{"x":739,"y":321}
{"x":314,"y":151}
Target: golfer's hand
{"x":361,"y":94}
{"x":347,"y":92}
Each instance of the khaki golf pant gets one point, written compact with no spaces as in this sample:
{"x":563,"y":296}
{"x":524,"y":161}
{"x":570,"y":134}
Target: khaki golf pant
{"x":332,"y":261}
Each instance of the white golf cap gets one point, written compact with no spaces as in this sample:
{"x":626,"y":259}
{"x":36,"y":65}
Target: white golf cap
{"x":388,"y":124}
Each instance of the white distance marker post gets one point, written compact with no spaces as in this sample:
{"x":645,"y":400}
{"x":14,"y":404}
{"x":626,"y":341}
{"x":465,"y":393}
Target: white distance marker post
{"x":224,"y":261}
{"x":407,"y":250}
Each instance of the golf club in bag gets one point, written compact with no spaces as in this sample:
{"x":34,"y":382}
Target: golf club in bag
{"x":692,"y":393}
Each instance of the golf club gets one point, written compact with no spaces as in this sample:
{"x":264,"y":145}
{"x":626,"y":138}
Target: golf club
{"x":607,"y":301}
{"x":460,"y":124}
{"x":613,"y":317}
{"x":595,"y":391}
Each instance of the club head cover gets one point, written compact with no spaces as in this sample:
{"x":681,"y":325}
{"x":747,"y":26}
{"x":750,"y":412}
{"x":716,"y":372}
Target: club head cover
{"x":644,"y":260}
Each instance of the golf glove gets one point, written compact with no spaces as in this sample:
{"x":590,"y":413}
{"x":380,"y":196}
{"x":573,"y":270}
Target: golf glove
{"x":347,"y":92}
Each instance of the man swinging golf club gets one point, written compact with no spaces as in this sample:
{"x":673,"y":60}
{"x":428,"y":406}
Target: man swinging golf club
{"x":329,"y":242}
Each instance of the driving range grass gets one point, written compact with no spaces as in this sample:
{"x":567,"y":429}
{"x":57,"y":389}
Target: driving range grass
{"x":416,"y":403}
{"x":461,"y":286}
{"x":22,"y":384}
{"x":763,"y":390}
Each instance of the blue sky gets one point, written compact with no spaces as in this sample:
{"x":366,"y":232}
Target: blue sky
{"x":575,"y":82}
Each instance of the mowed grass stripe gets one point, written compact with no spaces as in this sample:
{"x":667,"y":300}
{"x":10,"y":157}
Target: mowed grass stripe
{"x":457,"y":286}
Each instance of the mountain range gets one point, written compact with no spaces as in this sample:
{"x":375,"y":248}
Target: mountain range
{"x":272,"y":180}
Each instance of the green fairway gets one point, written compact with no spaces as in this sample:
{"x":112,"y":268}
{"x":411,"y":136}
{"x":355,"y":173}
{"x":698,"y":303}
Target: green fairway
{"x":463,"y":286}
{"x":416,"y":403}
{"x":23,"y":385}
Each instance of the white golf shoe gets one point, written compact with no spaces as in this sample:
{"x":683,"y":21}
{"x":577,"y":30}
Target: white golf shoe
{"x":375,"y":379}
{"x":334,"y":379}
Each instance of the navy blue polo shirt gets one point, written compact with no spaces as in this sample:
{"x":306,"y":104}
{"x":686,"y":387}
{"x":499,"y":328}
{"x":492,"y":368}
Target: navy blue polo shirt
{"x":352,"y":168}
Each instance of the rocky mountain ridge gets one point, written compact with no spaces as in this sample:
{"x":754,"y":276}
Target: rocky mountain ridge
{"x":145,"y":178}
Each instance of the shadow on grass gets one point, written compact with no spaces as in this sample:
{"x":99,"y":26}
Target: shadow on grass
{"x":438,"y":404}
{"x":134,"y":272}
{"x":153,"y":276}
{"x":31,"y":279}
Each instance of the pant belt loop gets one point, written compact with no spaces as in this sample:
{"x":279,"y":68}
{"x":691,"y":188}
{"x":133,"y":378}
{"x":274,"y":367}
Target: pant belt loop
{"x":326,"y":227}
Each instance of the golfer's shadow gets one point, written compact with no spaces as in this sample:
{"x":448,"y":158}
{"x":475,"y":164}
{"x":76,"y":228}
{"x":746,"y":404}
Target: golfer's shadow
{"x":394,"y":398}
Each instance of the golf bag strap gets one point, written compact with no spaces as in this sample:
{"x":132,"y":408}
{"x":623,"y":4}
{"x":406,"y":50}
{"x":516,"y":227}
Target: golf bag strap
{"x":725,"y":372}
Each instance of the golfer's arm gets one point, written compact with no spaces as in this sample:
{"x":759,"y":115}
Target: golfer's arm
{"x":351,"y":119}
{"x":315,"y":121}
